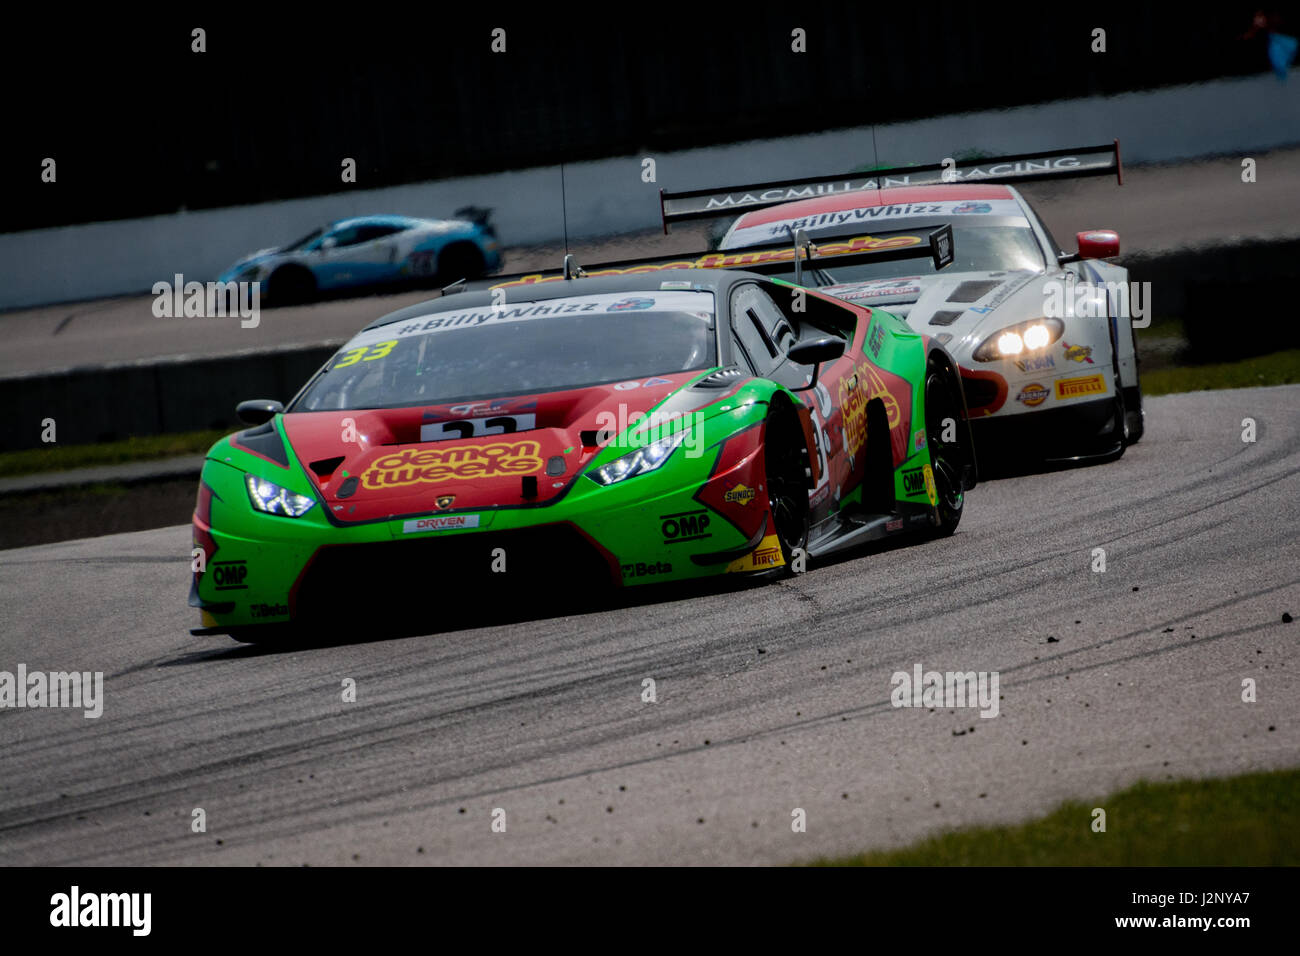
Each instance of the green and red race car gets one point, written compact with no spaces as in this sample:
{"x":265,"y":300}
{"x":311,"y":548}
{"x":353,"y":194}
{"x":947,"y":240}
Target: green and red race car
{"x":560,"y":433}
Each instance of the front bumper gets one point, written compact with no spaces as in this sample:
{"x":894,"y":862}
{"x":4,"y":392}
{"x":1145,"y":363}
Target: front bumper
{"x":1081,"y":429}
{"x":698,"y":518}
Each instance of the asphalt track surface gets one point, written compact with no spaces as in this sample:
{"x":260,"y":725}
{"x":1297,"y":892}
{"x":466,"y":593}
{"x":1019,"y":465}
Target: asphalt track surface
{"x":1157,"y":209}
{"x":769,"y":698}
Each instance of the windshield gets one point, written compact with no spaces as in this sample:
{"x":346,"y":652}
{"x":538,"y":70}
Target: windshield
{"x":519,"y":349}
{"x":985,"y":248}
{"x":310,"y":237}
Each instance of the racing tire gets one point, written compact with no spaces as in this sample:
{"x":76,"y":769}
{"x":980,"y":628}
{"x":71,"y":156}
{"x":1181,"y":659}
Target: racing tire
{"x":1135,"y":415}
{"x":785,"y":454}
{"x":290,"y":285}
{"x":948,"y":460}
{"x":460,"y":260}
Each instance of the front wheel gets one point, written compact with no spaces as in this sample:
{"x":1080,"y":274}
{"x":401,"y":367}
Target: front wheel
{"x":946,"y":436}
{"x":786,"y":456}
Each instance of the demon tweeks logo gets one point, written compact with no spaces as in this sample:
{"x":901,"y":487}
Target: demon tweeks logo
{"x":414,"y":465}
{"x":75,"y":909}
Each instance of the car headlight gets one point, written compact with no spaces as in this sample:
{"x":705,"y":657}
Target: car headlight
{"x":638,"y":462}
{"x":269,"y":498}
{"x":1031,"y":336}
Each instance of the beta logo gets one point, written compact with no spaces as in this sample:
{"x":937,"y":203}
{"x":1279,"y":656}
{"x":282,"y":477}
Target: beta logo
{"x":641,"y":570}
{"x":739,"y":495}
{"x":1033,"y":395}
{"x":269,"y":610}
{"x":230,"y":575}
{"x":684,"y":526}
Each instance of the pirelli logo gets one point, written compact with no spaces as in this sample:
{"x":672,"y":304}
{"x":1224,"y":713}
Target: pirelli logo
{"x":1078,"y":387}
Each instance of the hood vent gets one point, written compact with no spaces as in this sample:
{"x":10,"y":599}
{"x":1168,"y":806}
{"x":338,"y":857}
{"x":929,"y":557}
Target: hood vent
{"x":945,"y":318}
{"x":974,"y":290}
{"x":326,"y":466}
{"x":722,"y":378}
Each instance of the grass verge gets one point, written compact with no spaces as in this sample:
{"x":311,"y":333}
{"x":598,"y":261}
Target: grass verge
{"x":56,"y":457}
{"x":1280,"y":368}
{"x":1250,"y":820}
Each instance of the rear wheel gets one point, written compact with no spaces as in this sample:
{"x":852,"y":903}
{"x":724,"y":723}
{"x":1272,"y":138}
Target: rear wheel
{"x":459,"y":261}
{"x":946,"y":436}
{"x":786,"y":456}
{"x":290,"y":285}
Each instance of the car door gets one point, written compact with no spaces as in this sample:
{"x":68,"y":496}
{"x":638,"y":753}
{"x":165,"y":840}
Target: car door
{"x":357,"y":255}
{"x":765,"y":331}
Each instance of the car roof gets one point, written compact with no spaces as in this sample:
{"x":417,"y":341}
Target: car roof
{"x":864,"y":198}
{"x":404,"y":222}
{"x":718,"y":281}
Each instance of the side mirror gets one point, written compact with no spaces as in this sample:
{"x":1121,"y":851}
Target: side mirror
{"x":1098,"y":244}
{"x":813,"y":352}
{"x":258,"y":411}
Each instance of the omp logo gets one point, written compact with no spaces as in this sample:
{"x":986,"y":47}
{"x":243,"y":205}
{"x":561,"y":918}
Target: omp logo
{"x":230,"y":575}
{"x":75,"y":909}
{"x":725,"y":260}
{"x":685,"y":526}
{"x":1075,"y":387}
{"x":413,"y":466}
{"x":268,"y":610}
{"x":739,"y":495}
{"x":913,"y":482}
{"x":640,"y":570}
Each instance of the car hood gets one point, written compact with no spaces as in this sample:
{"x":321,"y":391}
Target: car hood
{"x":261,"y":255}
{"x":960,"y":308}
{"x":372,"y":464}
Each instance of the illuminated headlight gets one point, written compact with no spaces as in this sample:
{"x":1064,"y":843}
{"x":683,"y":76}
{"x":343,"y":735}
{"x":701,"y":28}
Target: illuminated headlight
{"x":638,"y":462}
{"x":1031,"y":336}
{"x":270,"y":498}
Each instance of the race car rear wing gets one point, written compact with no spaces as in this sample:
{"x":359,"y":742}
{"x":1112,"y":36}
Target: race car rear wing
{"x":802,"y":254}
{"x":1049,"y":164}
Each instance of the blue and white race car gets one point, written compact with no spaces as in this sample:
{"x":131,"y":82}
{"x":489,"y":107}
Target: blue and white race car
{"x":373,"y":251}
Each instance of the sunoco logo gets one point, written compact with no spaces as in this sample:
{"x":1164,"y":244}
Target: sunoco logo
{"x":739,"y":495}
{"x":686,"y":526}
{"x":230,"y":575}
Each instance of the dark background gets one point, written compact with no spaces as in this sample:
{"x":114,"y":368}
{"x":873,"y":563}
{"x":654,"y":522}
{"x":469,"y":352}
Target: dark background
{"x":139,"y":125}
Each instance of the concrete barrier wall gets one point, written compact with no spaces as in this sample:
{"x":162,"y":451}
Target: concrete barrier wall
{"x":149,"y":398}
{"x":608,"y":197}
{"x":1227,"y":298}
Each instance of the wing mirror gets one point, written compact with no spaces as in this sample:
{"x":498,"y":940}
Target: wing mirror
{"x":813,"y":352}
{"x":1094,"y":244}
{"x":258,"y":411}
